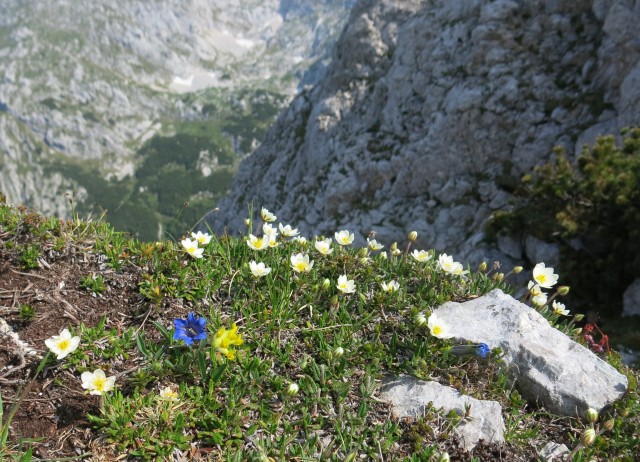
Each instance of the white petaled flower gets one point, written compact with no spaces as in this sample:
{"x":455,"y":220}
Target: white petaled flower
{"x":202,"y":238}
{"x":540,"y":299}
{"x":446,"y":263}
{"x":63,"y":344}
{"x":273,"y":240}
{"x":421,"y":255}
{"x":169,"y":394}
{"x":324,"y":246}
{"x":391,"y":286}
{"x":383,"y":255}
{"x":266,"y":215}
{"x":293,"y":389}
{"x":438,"y":328}
{"x":559,"y":308}
{"x":300,"y":263}
{"x":458,"y":269}
{"x":374,"y":245}
{"x":300,"y":240}
{"x":288,"y":231}
{"x":344,"y":237}
{"x":544,"y":277}
{"x":258,"y":269}
{"x":97,"y":382}
{"x":258,"y":243}
{"x":534,"y":289}
{"x":269,"y":230}
{"x":345,"y":285}
{"x":192,"y":248}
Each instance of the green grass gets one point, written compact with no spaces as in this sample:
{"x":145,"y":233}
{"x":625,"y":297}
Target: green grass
{"x":295,"y":329}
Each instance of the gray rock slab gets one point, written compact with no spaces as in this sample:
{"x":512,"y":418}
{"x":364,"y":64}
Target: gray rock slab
{"x":554,"y":451}
{"x":410,"y":397}
{"x":549,"y":368}
{"x":631,"y":299}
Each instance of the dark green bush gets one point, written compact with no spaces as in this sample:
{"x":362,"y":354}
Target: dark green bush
{"x":592,"y":210}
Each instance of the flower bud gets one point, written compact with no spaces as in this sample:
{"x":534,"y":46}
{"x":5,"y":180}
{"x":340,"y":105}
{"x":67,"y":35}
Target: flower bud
{"x":483,"y":267}
{"x":326,"y":283}
{"x":443,"y":457}
{"x":498,"y":277}
{"x":394,"y":247}
{"x":421,"y":319}
{"x":588,"y":437}
{"x":413,"y":235}
{"x":334,"y":302}
{"x":578,"y":317}
{"x":292,"y":389}
{"x":563,"y":290}
{"x":592,"y":415}
{"x":363,"y":252}
{"x":247,"y":221}
{"x":608,"y":425}
{"x":383,"y":255}
{"x":517,"y":270}
{"x":577,"y":331}
{"x":338,"y":351}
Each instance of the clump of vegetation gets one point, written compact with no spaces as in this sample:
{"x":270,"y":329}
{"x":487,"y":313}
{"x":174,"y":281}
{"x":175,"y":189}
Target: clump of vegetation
{"x":269,"y":347}
{"x":592,"y":210}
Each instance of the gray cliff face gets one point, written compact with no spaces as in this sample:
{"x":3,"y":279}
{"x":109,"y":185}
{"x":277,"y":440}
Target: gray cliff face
{"x":92,"y":81}
{"x":431,"y":111}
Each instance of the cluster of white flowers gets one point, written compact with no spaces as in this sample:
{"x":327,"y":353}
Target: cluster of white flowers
{"x":192,"y":246}
{"x":449,"y":266}
{"x":544,"y":278}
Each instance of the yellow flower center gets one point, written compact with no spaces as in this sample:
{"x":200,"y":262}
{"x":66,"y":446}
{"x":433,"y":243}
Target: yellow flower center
{"x":63,"y":344}
{"x":99,"y":383}
{"x":542,"y":278}
{"x":191,"y":249}
{"x":302,"y":266}
{"x":437,"y":330}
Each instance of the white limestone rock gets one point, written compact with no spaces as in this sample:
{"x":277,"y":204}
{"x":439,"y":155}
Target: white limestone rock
{"x":631,"y":299}
{"x":548,"y":367}
{"x":410,"y":397}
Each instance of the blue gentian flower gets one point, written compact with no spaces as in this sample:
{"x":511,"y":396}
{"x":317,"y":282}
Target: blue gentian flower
{"x":475,"y":349}
{"x":190,"y":329}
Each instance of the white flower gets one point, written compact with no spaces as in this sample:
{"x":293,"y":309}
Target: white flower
{"x":258,"y":269}
{"x":559,"y":308}
{"x":169,"y":394}
{"x":202,"y":238}
{"x":448,"y":265}
{"x":97,"y":382}
{"x":62,"y":344}
{"x":421,"y":255}
{"x":288,"y":231}
{"x":383,"y":255}
{"x":344,"y":237}
{"x":534,"y":289}
{"x":273,"y":240}
{"x":540,"y":299}
{"x":300,"y":263}
{"x":437,"y":328}
{"x":292,"y":389}
{"x":269,"y":230}
{"x":458,"y":269}
{"x":345,"y":285}
{"x":300,"y":240}
{"x":374,"y":245}
{"x":266,"y":215}
{"x":544,"y":277}
{"x":192,"y":248}
{"x":391,"y":286}
{"x":258,"y":243}
{"x":324,"y":246}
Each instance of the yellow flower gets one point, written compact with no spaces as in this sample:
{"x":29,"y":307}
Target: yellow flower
{"x":344,"y":237}
{"x":192,"y":248}
{"x":225,"y":338}
{"x":300,"y":263}
{"x":266,"y":215}
{"x":258,"y":243}
{"x":324,"y":246}
{"x":62,"y":344}
{"x":345,"y":285}
{"x":544,"y":277}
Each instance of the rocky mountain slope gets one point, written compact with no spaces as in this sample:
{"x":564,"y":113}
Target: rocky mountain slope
{"x":89,"y":83}
{"x":431,"y":111}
